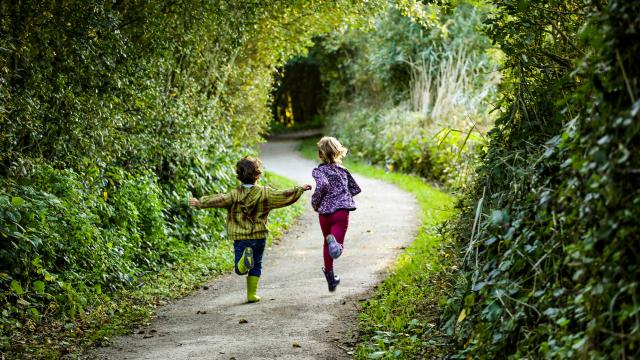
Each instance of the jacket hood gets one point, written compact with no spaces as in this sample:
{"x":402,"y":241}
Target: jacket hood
{"x":248,"y":197}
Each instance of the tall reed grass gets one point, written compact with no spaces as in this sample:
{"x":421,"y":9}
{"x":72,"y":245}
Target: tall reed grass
{"x":452,"y":92}
{"x":438,"y":129}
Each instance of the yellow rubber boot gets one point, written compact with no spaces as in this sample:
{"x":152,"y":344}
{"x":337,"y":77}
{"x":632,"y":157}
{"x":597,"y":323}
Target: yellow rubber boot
{"x":246,"y":261}
{"x":252,"y":287}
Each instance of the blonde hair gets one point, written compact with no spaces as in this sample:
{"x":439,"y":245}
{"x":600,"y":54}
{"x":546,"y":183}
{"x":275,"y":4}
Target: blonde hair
{"x":330,"y":150}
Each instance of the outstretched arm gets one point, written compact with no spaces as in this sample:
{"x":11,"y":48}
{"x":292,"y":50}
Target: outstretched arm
{"x":281,"y":198}
{"x":213,"y":201}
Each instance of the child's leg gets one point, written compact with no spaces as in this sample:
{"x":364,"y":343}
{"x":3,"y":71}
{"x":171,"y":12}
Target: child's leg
{"x":256,"y":271}
{"x":258,"y":250}
{"x":335,"y":224}
{"x":239,"y":247}
{"x":325,"y":225}
{"x":339,"y":225}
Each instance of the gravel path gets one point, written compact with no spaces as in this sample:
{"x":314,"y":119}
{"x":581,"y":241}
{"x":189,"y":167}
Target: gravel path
{"x":297,"y":317}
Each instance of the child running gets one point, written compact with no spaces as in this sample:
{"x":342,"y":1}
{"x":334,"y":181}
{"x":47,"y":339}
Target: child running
{"x":248,"y":207}
{"x":333,"y":199}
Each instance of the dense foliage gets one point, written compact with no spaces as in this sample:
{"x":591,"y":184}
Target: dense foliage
{"x":549,"y":232}
{"x":412,"y":94}
{"x":112,"y":113}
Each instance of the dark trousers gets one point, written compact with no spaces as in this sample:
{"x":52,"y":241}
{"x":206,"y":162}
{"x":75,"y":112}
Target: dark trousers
{"x":336,"y":224}
{"x":258,"y":250}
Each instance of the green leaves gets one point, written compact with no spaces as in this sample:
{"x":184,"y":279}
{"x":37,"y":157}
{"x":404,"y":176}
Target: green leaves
{"x":422,"y":90}
{"x":17,"y":201}
{"x":557,"y":239}
{"x":16,"y":288}
{"x":38,"y":286}
{"x":111,"y":113}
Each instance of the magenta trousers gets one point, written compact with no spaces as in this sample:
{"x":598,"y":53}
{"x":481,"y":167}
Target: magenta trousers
{"x":336,"y":224}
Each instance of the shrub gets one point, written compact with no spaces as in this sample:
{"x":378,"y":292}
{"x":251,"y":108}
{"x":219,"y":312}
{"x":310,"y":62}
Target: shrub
{"x":399,"y":140}
{"x":549,"y":229}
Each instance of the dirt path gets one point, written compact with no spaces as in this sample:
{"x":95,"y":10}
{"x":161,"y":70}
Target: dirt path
{"x":297,"y":317}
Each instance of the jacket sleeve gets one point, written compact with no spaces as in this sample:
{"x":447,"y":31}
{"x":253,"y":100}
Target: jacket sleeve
{"x":216,"y":201}
{"x":322,"y":185}
{"x":281,"y":198}
{"x":354,"y":189}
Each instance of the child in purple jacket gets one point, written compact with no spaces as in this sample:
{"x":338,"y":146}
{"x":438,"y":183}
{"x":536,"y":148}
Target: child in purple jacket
{"x":333,"y":199}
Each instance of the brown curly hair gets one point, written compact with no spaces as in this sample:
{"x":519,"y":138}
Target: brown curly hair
{"x":248,"y":170}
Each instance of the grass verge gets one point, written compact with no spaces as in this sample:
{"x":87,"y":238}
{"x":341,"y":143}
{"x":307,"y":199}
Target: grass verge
{"x":120,"y":312}
{"x":402,"y":321}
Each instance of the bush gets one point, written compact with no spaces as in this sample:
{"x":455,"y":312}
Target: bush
{"x":549,"y":230}
{"x":399,"y":140}
{"x":68,"y":240}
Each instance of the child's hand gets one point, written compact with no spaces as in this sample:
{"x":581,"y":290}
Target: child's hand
{"x":306,"y":187}
{"x":194,"y":202}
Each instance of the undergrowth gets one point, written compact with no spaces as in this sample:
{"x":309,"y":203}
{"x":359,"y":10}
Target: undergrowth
{"x":414,"y":94}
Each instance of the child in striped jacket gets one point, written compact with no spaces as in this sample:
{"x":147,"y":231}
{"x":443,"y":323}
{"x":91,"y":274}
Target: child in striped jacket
{"x":248,"y":207}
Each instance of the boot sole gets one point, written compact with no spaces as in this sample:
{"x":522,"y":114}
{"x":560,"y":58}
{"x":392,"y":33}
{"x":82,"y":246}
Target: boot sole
{"x":248,"y":258}
{"x":334,"y":247}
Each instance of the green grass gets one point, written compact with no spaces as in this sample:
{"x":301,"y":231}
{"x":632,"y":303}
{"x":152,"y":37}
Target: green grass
{"x":125,"y":310}
{"x":403,"y":319}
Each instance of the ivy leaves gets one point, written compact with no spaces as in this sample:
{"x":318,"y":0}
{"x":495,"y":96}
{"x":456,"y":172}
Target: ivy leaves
{"x":557,"y":276}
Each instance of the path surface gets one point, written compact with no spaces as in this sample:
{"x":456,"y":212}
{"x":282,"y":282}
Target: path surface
{"x":297,"y":317}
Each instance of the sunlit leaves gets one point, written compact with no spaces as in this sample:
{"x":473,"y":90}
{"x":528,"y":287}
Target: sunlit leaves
{"x":38,"y":286}
{"x":16,"y":287}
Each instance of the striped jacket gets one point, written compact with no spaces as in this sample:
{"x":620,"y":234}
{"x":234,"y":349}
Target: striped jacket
{"x":248,"y":208}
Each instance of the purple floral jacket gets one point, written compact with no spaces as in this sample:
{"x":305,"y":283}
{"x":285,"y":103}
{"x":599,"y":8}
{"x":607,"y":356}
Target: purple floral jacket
{"x":335,"y":189}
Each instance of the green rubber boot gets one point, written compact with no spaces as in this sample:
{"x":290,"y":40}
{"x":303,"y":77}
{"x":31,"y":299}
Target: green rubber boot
{"x":246,"y":261}
{"x":252,"y":287}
